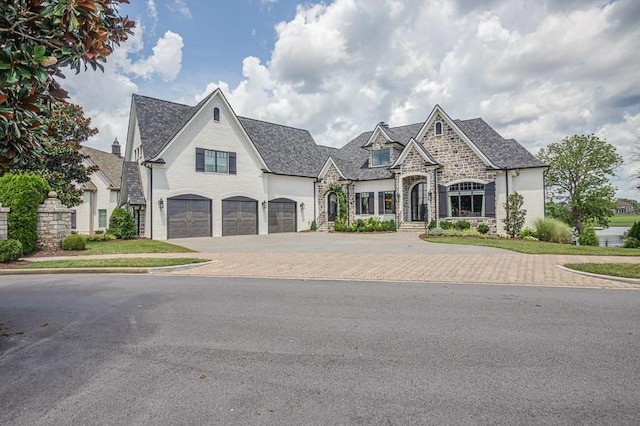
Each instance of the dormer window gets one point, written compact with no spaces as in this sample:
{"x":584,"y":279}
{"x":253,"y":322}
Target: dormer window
{"x":380,"y":157}
{"x":438,"y":128}
{"x":216,"y":114}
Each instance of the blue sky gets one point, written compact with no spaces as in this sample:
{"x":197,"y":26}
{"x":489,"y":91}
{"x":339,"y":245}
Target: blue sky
{"x":337,"y":68}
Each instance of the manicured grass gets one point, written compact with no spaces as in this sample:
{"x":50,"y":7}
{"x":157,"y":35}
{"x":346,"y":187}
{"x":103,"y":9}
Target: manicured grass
{"x":130,"y":246}
{"x":534,"y":247}
{"x":111,"y":263}
{"x":624,"y":219}
{"x":626,"y":270}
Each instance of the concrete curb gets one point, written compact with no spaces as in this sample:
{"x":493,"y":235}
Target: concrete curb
{"x":634,"y":281}
{"x":57,"y":271}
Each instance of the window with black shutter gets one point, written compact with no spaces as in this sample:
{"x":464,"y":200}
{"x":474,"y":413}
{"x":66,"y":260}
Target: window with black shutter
{"x":212,"y":161}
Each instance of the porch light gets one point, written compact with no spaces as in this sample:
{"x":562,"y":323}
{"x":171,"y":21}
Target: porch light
{"x":264,"y":204}
{"x":302,"y":206}
{"x":161,"y":203}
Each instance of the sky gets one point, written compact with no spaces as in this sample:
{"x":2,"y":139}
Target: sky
{"x":536,"y":71}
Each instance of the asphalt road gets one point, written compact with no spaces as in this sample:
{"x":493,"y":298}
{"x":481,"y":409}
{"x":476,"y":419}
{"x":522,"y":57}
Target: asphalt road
{"x":174,"y":350}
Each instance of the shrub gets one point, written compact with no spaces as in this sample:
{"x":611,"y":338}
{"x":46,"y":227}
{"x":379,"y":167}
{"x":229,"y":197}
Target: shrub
{"x":122,"y":224}
{"x":314,"y":226}
{"x":634,"y":231}
{"x":516,"y":215}
{"x":74,"y":242}
{"x":10,"y":250}
{"x":588,"y":236}
{"x":483,"y":228}
{"x":631,"y":242}
{"x":462,"y":225}
{"x":372,"y":224}
{"x":432,"y":224}
{"x":530,"y":238}
{"x":446,"y":224}
{"x":22,"y":193}
{"x":528,"y":232}
{"x":553,"y":230}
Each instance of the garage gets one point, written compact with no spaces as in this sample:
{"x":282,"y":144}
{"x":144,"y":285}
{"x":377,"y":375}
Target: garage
{"x":188,"y":216}
{"x":282,"y":216}
{"x":239,"y":216}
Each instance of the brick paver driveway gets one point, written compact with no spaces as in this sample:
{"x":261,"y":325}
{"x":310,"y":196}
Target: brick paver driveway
{"x":386,"y":257}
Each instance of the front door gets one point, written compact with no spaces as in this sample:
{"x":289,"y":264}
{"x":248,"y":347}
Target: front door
{"x":332,"y":202}
{"x":419,"y":199}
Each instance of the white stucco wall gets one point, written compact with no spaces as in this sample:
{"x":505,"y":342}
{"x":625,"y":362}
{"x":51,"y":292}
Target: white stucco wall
{"x":376,"y":186}
{"x":527,"y":182}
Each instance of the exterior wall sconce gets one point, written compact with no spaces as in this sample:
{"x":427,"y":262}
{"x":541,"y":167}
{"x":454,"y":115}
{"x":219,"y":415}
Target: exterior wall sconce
{"x":264,"y":204}
{"x":161,"y":203}
{"x":302,"y":206}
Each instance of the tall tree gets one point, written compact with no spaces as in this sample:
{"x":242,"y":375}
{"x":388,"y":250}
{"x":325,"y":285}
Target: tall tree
{"x":578,"y":177}
{"x":60,"y":161}
{"x":38,"y":38}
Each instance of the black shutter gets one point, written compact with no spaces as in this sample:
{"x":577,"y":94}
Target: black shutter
{"x":357,"y":203}
{"x":371,"y":195}
{"x":443,"y":209}
{"x":393,"y":200}
{"x":232,"y":163}
{"x":380,"y":203}
{"x":199,"y":160}
{"x":490,"y":199}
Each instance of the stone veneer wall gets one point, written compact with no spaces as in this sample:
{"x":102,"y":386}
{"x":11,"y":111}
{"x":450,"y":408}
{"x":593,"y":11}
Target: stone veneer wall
{"x":3,"y":222}
{"x":415,"y":163}
{"x":381,"y":142}
{"x":333,"y":176}
{"x":458,"y":161}
{"x":54,"y":223}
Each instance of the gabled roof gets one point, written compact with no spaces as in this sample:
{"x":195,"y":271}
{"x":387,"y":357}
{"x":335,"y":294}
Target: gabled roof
{"x":504,"y":153}
{"x":421,"y":150}
{"x":286,"y":150}
{"x":109,"y":164}
{"x":131,"y":175}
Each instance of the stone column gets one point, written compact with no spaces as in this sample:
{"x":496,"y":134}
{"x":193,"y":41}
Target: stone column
{"x":54,"y":223}
{"x":4,"y":232}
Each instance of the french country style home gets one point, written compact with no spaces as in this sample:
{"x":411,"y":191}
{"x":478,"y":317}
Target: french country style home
{"x":200,"y":171}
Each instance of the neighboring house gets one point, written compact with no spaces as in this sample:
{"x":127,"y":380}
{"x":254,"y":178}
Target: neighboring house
{"x":102,"y":193}
{"x":624,"y":207}
{"x":201,"y":170}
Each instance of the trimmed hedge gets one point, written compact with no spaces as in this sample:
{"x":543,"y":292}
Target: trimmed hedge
{"x":10,"y":250}
{"x":74,"y":242}
{"x":372,"y":224}
{"x":122,"y":224}
{"x":22,"y":193}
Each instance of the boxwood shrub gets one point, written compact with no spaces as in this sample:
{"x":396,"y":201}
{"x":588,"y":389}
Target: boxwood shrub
{"x":10,"y":250}
{"x":74,"y":242}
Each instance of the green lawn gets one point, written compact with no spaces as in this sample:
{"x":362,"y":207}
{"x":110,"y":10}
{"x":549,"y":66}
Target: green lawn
{"x":534,"y":247}
{"x":130,"y":246}
{"x":112,"y":263}
{"x":624,"y":219}
{"x":626,"y":270}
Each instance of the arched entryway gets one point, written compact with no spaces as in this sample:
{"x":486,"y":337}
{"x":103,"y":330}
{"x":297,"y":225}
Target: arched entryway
{"x":332,"y":207}
{"x":420,"y":202}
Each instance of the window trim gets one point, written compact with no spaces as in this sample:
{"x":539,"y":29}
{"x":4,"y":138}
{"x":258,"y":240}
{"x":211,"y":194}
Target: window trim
{"x":370,"y":208}
{"x":373,"y":151}
{"x":382,"y":204}
{"x":201,"y":155}
{"x":100,"y":225}
{"x":472,"y":192}
{"x":216,"y":115}
{"x":435,"y":128}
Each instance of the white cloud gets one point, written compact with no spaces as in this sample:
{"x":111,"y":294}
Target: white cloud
{"x":106,"y":97}
{"x":152,"y":10}
{"x":558,"y":69}
{"x":181,"y":7}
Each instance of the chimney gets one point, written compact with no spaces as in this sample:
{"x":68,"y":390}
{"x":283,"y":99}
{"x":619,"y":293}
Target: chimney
{"x":115,"y":148}
{"x":383,"y":124}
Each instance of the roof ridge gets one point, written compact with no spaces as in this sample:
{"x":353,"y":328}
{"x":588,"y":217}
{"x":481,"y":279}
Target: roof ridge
{"x":275,"y":124}
{"x":135,"y":95}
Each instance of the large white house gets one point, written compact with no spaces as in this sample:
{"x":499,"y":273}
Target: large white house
{"x":194,"y":171}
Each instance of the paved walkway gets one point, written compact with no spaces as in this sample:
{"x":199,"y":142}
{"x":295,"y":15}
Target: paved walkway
{"x":382,"y":257}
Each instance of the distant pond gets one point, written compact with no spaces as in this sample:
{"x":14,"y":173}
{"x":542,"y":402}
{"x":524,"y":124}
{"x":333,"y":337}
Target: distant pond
{"x":612,"y":237}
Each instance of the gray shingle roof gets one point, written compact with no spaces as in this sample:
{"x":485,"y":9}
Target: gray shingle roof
{"x":504,"y":153}
{"x":131,"y":174}
{"x":109,"y":164}
{"x":158,"y":121}
{"x":286,"y":150}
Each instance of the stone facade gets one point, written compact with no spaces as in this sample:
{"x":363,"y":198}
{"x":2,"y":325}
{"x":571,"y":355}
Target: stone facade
{"x":54,"y":223}
{"x":4,"y":211}
{"x":381,"y":142}
{"x":332,"y":176}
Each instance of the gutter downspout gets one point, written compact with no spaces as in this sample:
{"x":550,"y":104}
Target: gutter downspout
{"x":436,"y":195}
{"x":315,"y":201}
{"x":150,"y":202}
{"x":506,"y":181}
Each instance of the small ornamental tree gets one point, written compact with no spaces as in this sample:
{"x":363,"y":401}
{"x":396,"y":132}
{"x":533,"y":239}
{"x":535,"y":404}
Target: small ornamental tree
{"x":588,"y":237}
{"x":122,"y":224}
{"x":516,"y":215}
{"x":22,"y":193}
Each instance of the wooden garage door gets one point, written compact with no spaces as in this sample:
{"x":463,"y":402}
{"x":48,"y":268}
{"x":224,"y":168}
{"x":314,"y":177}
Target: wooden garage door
{"x":282,"y":216}
{"x":188,"y":216}
{"x":239,"y":216}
